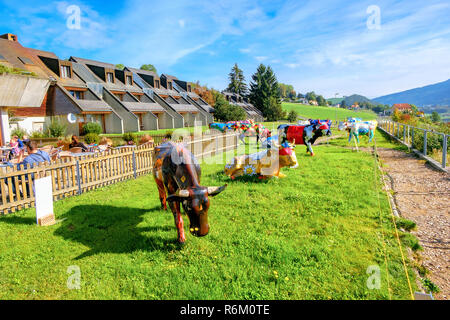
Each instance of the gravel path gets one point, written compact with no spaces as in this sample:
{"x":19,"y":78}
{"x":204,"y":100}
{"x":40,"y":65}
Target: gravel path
{"x":422,"y":194}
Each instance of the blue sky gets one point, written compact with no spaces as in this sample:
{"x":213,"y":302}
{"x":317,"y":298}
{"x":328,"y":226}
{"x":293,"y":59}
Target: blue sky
{"x":325,"y":46}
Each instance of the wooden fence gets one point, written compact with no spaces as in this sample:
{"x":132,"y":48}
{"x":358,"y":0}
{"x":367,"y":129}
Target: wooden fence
{"x":80,"y":174}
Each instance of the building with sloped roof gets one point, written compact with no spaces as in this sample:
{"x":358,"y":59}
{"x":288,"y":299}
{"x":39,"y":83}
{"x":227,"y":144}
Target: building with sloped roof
{"x":64,"y":96}
{"x":138,"y":108}
{"x":238,"y":100}
{"x":191,"y":112}
{"x":185,"y":89}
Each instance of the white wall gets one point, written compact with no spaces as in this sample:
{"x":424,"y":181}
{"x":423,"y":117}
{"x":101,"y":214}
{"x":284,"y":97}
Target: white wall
{"x":4,"y":123}
{"x":27,"y":124}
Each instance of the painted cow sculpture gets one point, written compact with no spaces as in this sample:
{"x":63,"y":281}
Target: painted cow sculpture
{"x":264,"y":164}
{"x":305,"y":135}
{"x":248,"y":128}
{"x":222,"y":127}
{"x":177,"y":172}
{"x":357,"y":128}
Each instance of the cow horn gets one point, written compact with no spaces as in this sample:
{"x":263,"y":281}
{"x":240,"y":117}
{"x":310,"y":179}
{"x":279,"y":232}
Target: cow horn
{"x":293,"y":144}
{"x":212,"y":191}
{"x":183,"y":193}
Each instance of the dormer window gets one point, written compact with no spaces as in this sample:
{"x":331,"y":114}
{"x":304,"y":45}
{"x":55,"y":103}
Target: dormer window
{"x":189,"y":89}
{"x":129,"y":80}
{"x":79,"y":95}
{"x":157,"y":84}
{"x":110,"y":77}
{"x":66,"y":72}
{"x":25,"y":60}
{"x":169,"y":85}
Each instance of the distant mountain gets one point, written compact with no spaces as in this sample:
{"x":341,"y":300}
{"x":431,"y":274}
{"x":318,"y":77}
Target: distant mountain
{"x":432,"y":95}
{"x":335,"y":100}
{"x":350,"y":100}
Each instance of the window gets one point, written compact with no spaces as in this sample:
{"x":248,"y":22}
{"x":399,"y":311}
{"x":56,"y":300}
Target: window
{"x":129,"y":80}
{"x":66,"y":72}
{"x":37,"y":126}
{"x":79,"y":95}
{"x":119,"y":96}
{"x":157,"y":84}
{"x":25,"y":60}
{"x":138,"y":96}
{"x":169,"y":85}
{"x":110,"y":77}
{"x":2,"y":58}
{"x":189,"y":88}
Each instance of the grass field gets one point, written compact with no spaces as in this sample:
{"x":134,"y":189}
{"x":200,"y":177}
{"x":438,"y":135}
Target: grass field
{"x":311,"y":235}
{"x":331,"y":113}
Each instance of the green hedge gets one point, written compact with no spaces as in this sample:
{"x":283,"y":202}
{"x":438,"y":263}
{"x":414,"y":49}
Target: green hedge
{"x":434,"y":141}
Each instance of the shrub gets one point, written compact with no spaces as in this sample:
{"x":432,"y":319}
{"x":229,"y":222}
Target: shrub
{"x":292,"y":116}
{"x":38,"y":134}
{"x":118,"y":143}
{"x":405,"y":224}
{"x":105,"y":141}
{"x":92,"y":127}
{"x":434,"y":141}
{"x":91,"y":138}
{"x":428,"y":284}
{"x":129,"y":138}
{"x":18,"y":132}
{"x":145,"y":138}
{"x":56,"y":129}
{"x":226,"y":112}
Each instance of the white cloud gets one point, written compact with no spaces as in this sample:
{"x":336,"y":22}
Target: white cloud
{"x":261,"y":58}
{"x":181,"y":23}
{"x":245,"y":50}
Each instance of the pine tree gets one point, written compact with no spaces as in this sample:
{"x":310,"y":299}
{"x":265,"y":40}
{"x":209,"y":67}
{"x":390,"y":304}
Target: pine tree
{"x":237,"y":81}
{"x":265,"y":93}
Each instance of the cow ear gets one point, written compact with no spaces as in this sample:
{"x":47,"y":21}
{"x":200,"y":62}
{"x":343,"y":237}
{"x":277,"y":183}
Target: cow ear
{"x":214,"y":191}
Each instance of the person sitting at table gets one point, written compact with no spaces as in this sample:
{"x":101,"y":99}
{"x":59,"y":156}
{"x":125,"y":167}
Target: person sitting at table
{"x":77,"y":144}
{"x":34,"y":156}
{"x":14,"y":144}
{"x":22,"y":141}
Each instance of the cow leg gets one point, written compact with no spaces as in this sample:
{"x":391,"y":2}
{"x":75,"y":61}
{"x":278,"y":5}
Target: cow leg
{"x":371,"y":135}
{"x":309,"y":148}
{"x":179,"y":224}
{"x":162,"y":194}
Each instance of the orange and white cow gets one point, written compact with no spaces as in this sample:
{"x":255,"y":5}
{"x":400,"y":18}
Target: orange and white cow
{"x":264,"y":164}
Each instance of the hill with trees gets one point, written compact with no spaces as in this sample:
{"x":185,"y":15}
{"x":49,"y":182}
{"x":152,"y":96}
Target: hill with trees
{"x":437,"y":94}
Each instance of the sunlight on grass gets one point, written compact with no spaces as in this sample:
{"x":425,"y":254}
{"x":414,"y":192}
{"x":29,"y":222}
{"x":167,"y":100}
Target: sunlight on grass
{"x":311,"y":235}
{"x":331,"y":113}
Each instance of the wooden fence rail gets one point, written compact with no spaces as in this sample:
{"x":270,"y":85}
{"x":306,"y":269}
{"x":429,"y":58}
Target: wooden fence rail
{"x":77,"y":175}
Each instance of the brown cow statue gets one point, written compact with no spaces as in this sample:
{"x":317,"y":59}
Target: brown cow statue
{"x":177,"y":171}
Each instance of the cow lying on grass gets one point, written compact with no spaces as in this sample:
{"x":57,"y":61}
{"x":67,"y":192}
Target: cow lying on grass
{"x":177,"y":171}
{"x":306,"y":135}
{"x":264,"y":164}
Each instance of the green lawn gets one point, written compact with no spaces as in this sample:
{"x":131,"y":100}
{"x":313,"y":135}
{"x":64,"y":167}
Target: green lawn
{"x":331,"y":113}
{"x":311,"y":235}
